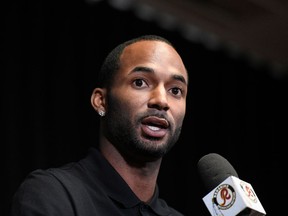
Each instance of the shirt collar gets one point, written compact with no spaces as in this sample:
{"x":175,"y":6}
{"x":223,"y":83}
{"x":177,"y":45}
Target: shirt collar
{"x":117,"y":189}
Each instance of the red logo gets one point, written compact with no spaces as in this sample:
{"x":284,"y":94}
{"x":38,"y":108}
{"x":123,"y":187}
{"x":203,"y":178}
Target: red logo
{"x":248,"y":191}
{"x":224,"y":196}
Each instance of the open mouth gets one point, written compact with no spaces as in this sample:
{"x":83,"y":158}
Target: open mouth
{"x":156,"y":121}
{"x":154,"y":126}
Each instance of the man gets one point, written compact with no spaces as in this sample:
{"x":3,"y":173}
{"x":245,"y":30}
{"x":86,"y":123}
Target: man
{"x":141,"y":100}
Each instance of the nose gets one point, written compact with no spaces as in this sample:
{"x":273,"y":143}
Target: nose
{"x":158,"y":99}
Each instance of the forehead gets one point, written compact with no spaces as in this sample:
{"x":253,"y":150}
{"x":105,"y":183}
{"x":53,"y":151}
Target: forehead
{"x":155,"y":54}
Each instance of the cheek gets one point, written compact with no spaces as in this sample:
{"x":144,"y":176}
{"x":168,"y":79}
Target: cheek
{"x":126,"y":104}
{"x":179,"y":113}
{"x":135,"y":99}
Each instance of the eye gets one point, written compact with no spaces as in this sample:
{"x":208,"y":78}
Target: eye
{"x":176,"y":91}
{"x":139,"y":83}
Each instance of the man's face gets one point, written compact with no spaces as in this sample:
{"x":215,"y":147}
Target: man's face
{"x":147,"y":102}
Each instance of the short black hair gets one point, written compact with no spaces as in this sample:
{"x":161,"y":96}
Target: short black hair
{"x":111,"y":63}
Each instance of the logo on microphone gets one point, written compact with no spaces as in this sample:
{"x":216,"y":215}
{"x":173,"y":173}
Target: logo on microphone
{"x":248,"y":191}
{"x":224,"y":196}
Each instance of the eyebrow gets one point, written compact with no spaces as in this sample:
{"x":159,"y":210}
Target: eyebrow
{"x":150,"y":70}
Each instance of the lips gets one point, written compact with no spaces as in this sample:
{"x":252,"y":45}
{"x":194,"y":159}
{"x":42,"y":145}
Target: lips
{"x":156,"y":121}
{"x":154,"y":126}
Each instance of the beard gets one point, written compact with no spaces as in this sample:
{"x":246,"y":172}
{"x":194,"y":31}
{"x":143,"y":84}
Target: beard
{"x":123,"y":132}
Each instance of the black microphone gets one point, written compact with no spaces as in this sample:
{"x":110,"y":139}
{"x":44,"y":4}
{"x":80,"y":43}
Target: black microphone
{"x":227,"y":194}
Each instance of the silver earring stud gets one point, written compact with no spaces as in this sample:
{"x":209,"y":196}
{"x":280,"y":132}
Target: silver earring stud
{"x":101,"y":113}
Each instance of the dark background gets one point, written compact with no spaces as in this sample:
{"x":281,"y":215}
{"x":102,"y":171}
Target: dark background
{"x":52,"y":51}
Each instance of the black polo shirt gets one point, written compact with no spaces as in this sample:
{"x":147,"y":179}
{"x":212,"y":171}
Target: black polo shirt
{"x":89,"y":187}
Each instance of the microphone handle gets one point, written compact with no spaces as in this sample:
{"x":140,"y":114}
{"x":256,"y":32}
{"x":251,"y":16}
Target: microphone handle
{"x":246,"y":212}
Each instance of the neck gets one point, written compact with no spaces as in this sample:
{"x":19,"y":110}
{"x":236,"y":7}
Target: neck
{"x":141,"y":178}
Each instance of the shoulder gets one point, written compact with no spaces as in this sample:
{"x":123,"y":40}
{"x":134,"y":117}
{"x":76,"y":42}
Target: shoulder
{"x":36,"y":180}
{"x":41,"y":191}
{"x":52,"y":180}
{"x":52,"y":177}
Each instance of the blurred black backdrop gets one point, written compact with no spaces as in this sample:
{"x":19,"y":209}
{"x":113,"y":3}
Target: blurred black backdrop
{"x":52,"y":51}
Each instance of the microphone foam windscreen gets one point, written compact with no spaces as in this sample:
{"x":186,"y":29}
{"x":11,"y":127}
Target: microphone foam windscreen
{"x":214,"y":169}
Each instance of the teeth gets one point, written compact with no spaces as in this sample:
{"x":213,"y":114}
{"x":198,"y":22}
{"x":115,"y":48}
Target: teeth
{"x":154,"y":128}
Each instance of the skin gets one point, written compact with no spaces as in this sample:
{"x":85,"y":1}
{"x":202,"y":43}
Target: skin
{"x":145,"y":109}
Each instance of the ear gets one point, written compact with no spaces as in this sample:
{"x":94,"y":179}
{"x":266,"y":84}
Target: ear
{"x":98,"y":99}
